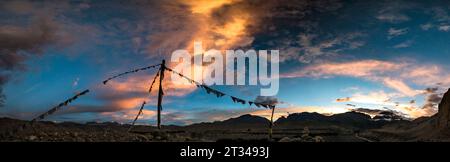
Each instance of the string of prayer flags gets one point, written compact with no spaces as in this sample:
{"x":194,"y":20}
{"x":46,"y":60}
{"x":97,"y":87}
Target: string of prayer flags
{"x":219,"y":94}
{"x":264,"y":105}
{"x":154,"y":80}
{"x":213,"y":91}
{"x":137,"y":116}
{"x":238,"y":100}
{"x":241,"y":101}
{"x":143,"y":103}
{"x":131,"y":71}
{"x":181,"y":75}
{"x":233,"y":98}
{"x":65,"y":103}
{"x":210,"y":90}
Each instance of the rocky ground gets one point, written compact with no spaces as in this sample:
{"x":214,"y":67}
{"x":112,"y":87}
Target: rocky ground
{"x":12,"y":130}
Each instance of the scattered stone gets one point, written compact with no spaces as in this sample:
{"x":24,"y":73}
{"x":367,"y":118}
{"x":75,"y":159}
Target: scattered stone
{"x":285,"y":139}
{"x":32,"y":138}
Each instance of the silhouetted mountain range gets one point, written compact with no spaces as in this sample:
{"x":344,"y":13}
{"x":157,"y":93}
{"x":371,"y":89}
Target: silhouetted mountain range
{"x":242,"y":122}
{"x":298,"y":120}
{"x":348,"y":119}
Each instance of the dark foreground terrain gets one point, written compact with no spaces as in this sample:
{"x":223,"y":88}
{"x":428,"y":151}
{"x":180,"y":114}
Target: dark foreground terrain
{"x":299,"y":127}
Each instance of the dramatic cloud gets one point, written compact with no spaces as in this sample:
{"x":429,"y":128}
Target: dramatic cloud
{"x":228,"y":24}
{"x":223,"y":24}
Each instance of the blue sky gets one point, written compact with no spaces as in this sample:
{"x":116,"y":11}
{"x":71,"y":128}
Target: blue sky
{"x":335,"y":55}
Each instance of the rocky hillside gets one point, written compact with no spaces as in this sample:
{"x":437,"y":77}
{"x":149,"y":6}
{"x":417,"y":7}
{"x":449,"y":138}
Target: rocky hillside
{"x":443,"y":115}
{"x":349,"y":120}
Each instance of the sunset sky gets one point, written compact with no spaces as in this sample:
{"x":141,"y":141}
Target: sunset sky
{"x":335,"y":56}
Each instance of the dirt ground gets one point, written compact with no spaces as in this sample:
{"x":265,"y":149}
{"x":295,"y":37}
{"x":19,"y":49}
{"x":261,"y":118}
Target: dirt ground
{"x":20,"y":131}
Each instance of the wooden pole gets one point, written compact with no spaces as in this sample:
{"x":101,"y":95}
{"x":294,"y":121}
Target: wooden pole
{"x":271,"y":123}
{"x":160,"y":93}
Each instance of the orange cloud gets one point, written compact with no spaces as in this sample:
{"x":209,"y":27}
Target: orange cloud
{"x":218,"y":24}
{"x":205,"y":6}
{"x":129,"y":93}
{"x":141,"y":83}
{"x":393,"y":74}
{"x":129,"y":103}
{"x":364,"y":68}
{"x":343,"y":99}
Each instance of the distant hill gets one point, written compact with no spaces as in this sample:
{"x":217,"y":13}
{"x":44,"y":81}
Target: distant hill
{"x":354,"y":120}
{"x":242,"y":122}
{"x":348,"y":119}
{"x":297,"y":120}
{"x":302,"y":117}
